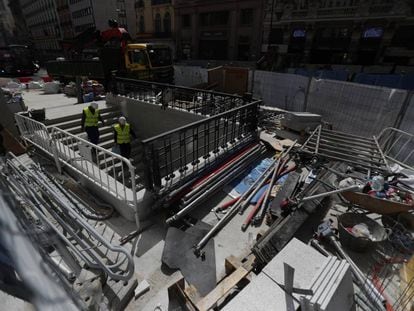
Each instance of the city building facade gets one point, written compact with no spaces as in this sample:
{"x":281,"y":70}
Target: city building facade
{"x":339,"y":32}
{"x":155,"y":21}
{"x":42,"y":21}
{"x":6,"y":23}
{"x":21,"y":33}
{"x":65,"y":20}
{"x":219,"y":30}
{"x":94,"y":13}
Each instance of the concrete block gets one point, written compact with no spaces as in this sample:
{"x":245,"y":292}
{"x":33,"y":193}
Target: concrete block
{"x":261,"y":294}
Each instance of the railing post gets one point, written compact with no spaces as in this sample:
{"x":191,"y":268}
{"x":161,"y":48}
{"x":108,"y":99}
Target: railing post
{"x":148,"y":181}
{"x":53,"y":145}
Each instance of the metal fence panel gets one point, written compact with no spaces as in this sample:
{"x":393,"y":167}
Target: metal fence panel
{"x":355,"y":108}
{"x":285,"y":91}
{"x":183,"y":152}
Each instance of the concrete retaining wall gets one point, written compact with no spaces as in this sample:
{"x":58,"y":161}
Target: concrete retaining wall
{"x":355,"y":108}
{"x":150,"y":120}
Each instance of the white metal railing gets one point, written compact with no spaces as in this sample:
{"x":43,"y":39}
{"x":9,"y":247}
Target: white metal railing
{"x":106,"y":169}
{"x":37,"y":134}
{"x":397,"y":146}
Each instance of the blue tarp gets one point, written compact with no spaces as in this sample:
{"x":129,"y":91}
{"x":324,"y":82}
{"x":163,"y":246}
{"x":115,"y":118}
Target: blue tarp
{"x":241,"y":185}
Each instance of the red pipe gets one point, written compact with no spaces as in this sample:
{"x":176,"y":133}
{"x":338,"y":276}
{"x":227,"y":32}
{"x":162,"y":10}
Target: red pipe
{"x":232,"y":160}
{"x":182,"y":193}
{"x":226,"y":205}
{"x":253,"y":211}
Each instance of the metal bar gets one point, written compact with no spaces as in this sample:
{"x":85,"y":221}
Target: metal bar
{"x":343,"y":154}
{"x":382,"y":154}
{"x":325,"y":194}
{"x":310,"y":137}
{"x":347,"y":142}
{"x":318,"y":139}
{"x":350,"y":149}
{"x":352,"y":136}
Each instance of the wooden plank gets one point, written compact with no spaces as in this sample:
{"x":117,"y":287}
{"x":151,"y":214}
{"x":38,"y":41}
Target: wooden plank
{"x":177,"y":292}
{"x":407,"y":275}
{"x":242,"y":269}
{"x":231,"y":263}
{"x":222,"y":289}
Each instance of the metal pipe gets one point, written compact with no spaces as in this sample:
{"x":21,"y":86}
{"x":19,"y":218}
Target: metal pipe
{"x":67,"y":210}
{"x":217,"y":179}
{"x":233,"y":165}
{"x":382,"y":154}
{"x":257,"y":185}
{"x":232,"y":211}
{"x":208,"y":192}
{"x":325,"y":194}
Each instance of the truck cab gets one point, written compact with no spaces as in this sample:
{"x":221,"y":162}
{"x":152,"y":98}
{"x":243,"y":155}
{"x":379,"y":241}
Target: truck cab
{"x":149,"y":62}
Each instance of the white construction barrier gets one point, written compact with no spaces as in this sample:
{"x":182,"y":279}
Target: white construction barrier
{"x":285,"y":91}
{"x":355,"y":108}
{"x":190,"y":75}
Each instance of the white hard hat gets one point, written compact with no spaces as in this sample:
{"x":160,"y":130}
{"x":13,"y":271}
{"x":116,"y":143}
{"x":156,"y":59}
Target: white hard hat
{"x":121,"y":120}
{"x":94,"y":105}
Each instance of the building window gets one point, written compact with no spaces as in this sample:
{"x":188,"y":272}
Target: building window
{"x":246,"y":17}
{"x":243,"y":48}
{"x":82,"y":12}
{"x":214,"y":18}
{"x":186,"y":21}
{"x":141,"y":24}
{"x":167,"y":22}
{"x":157,"y":27}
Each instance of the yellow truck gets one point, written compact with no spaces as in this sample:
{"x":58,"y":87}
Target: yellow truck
{"x":142,"y":61}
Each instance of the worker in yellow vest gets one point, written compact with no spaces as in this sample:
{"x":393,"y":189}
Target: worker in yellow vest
{"x":122,"y":135}
{"x":90,"y":118}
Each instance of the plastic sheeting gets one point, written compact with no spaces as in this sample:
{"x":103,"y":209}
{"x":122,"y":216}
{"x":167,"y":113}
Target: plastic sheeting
{"x":285,"y":91}
{"x":354,"y":108}
{"x":190,"y":75}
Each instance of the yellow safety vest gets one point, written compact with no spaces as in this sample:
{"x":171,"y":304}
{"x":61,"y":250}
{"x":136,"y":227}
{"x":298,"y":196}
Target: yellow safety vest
{"x":123,"y":135}
{"x":91,"y":118}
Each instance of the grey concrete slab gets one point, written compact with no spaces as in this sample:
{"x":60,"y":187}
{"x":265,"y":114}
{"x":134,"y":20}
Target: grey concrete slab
{"x":262,"y":294}
{"x":304,"y":259}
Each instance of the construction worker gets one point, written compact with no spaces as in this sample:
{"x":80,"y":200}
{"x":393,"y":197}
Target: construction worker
{"x":90,"y":118}
{"x":122,"y":136}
